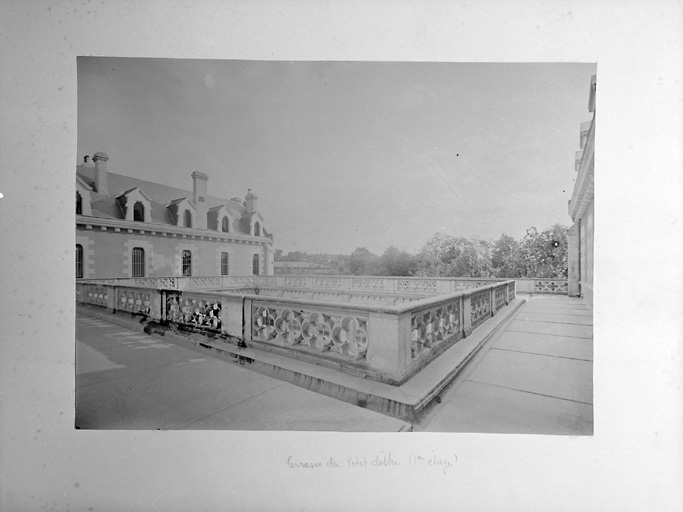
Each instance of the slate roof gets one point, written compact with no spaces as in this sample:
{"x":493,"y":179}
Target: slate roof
{"x":106,"y":206}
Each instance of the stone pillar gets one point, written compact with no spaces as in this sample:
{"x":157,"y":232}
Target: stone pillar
{"x":389,"y":347}
{"x":231,"y":316}
{"x":113,"y":298}
{"x":155,"y":307}
{"x":574,"y":261}
{"x":466,"y":315}
{"x":245,"y":320}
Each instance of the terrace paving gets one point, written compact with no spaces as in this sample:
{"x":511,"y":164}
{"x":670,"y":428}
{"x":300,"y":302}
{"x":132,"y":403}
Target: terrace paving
{"x":129,"y":380}
{"x":534,"y":376}
{"x":526,"y":370}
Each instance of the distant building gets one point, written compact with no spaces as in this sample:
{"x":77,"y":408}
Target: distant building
{"x":127,"y":227}
{"x":581,"y":210}
{"x":303,"y":267}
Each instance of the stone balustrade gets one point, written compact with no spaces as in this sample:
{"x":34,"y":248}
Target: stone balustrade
{"x":542,"y":285}
{"x":382,"y":342}
{"x":377,"y":285}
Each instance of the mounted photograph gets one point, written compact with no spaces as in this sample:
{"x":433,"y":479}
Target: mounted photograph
{"x":346,"y":246}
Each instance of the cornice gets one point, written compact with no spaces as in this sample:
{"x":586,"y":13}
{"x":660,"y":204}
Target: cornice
{"x":584,"y":187}
{"x":143,"y":228}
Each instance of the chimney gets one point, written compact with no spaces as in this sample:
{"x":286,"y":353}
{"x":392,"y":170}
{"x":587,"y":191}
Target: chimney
{"x":199,"y":180}
{"x":100,"y":160}
{"x":251,"y":202}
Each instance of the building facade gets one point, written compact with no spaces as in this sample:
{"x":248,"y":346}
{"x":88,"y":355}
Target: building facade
{"x":127,"y":227}
{"x":581,"y":210}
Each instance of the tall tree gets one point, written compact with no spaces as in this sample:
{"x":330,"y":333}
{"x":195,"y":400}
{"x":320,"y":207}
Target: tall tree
{"x":362,"y":261}
{"x":505,"y":256}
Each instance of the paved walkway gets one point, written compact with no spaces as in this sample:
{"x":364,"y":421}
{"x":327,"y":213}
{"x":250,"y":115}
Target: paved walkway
{"x":535,"y":376}
{"x":129,"y":380}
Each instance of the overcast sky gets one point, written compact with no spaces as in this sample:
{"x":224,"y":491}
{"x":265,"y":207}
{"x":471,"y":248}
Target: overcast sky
{"x":348,"y":154}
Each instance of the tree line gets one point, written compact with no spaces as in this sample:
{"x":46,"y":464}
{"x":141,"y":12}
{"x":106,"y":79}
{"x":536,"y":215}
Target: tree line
{"x":540,"y":254}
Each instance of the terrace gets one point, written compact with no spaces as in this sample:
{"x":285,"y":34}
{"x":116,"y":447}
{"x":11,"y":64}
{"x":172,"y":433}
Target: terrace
{"x":390,"y":344}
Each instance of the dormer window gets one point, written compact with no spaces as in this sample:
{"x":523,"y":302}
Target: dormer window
{"x":220,"y":218}
{"x":139,"y":212}
{"x":257,"y":229}
{"x":135,"y":205}
{"x":83,"y":190}
{"x":183,"y":212}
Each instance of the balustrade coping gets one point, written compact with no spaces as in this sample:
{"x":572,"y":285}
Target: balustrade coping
{"x":366,"y":308}
{"x":341,"y":276}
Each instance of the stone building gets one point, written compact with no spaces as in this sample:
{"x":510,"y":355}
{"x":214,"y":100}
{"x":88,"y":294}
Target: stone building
{"x":581,"y":210}
{"x":127,"y":227}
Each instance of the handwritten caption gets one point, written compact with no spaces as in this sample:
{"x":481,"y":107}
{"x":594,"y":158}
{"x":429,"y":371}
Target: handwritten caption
{"x":439,"y":462}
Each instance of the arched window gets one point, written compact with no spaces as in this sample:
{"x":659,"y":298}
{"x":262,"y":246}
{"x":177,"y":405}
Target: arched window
{"x":187,"y":263}
{"x":255,"y":265}
{"x":138,"y":262}
{"x":225,"y":263}
{"x":139,"y":212}
{"x":79,"y":204}
{"x":226,"y":227}
{"x":79,"y":260}
{"x":188,"y":219}
{"x":257,"y":229}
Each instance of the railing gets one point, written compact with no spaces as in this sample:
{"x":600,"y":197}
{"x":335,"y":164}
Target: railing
{"x":542,"y":285}
{"x":393,"y":285}
{"x":383,"y":342}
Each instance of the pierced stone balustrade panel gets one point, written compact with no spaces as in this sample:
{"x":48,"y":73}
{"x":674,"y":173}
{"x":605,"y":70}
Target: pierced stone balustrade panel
{"x":499,"y":297}
{"x":98,"y":295}
{"x":551,"y":286}
{"x":433,"y":326}
{"x":327,"y":282}
{"x":469,"y":285}
{"x":237,"y":281}
{"x":321,"y":332}
{"x":134,"y":301}
{"x":159,"y":283}
{"x":481,"y":307}
{"x":266,"y":281}
{"x":511,"y":291}
{"x":295,"y":281}
{"x":367,"y":284}
{"x":194,"y":310}
{"x":204,"y":282}
{"x":416,"y":285}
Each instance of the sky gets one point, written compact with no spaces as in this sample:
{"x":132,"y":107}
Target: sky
{"x":348,"y":154}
